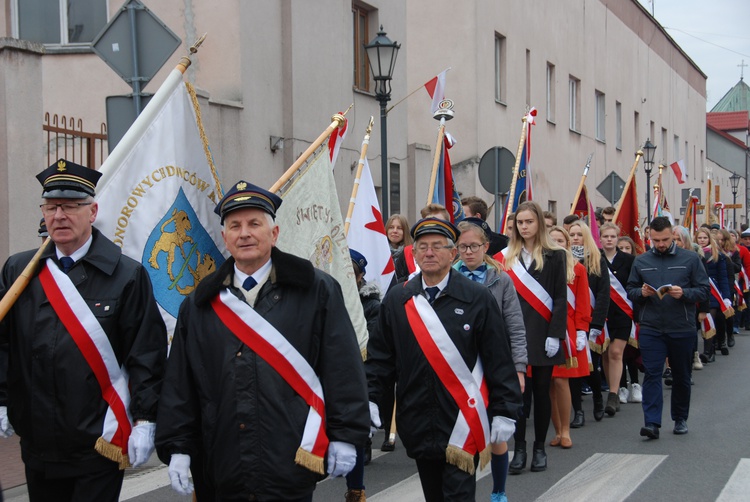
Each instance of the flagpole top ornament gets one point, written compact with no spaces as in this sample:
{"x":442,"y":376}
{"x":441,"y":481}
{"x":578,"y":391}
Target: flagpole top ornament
{"x":370,"y":125}
{"x":444,"y":111}
{"x":185,"y":60}
{"x":339,"y":117}
{"x":639,"y":153}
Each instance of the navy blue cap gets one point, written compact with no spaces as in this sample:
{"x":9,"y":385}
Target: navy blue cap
{"x":244,"y":195}
{"x":43,"y":229}
{"x":480,"y":223}
{"x":68,"y":180}
{"x":434,"y":225}
{"x":359,"y":259}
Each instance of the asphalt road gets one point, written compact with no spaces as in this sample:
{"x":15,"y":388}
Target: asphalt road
{"x":609,"y":461}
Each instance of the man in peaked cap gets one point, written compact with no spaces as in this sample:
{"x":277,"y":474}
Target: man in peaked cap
{"x":265,"y":376}
{"x":435,"y":328}
{"x":86,"y":325}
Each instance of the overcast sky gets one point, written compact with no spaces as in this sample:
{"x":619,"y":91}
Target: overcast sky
{"x":714,"y":33}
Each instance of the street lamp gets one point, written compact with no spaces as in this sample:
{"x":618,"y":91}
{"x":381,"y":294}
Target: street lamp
{"x":734,"y":179}
{"x":381,"y":53}
{"x":648,"y":164}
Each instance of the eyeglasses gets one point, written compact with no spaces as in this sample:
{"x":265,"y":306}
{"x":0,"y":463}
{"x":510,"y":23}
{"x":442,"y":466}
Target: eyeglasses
{"x":67,"y":207}
{"x":422,"y":248}
{"x":466,"y":247}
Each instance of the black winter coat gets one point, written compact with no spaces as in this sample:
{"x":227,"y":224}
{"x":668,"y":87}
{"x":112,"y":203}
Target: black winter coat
{"x":221,"y":397}
{"x":425,"y":411}
{"x":54,"y":401}
{"x":621,"y":264}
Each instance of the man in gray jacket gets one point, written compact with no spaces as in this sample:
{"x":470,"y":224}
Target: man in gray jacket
{"x":665,"y":283}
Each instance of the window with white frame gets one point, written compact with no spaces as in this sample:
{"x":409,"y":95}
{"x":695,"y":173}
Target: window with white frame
{"x":600,"y":116}
{"x":550,"y":92}
{"x":59,"y":22}
{"x":574,"y":103}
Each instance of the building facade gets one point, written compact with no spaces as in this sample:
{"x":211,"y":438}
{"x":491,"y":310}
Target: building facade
{"x":603,"y":74}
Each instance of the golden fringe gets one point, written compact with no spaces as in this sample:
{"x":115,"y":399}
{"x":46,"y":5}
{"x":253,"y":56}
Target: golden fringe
{"x":708,"y":334}
{"x":742,"y":307}
{"x":204,"y":139}
{"x":484,"y":457}
{"x":729,"y":312}
{"x":363,"y":353}
{"x":309,"y":461}
{"x":633,"y":342}
{"x":461,"y":459}
{"x":595,"y":347}
{"x":605,"y":345}
{"x":112,"y":452}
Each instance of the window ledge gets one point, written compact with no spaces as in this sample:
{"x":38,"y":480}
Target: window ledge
{"x":575,"y":132}
{"x":68,"y":49}
{"x":501,"y":102}
{"x":357,"y":90}
{"x":602,"y":141}
{"x":551,"y":121}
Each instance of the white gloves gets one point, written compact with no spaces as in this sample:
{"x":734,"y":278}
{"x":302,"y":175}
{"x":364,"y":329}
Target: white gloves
{"x":141,"y":443}
{"x":502,"y":429}
{"x":551,"y":345}
{"x":727,"y":302}
{"x":375,"y":422}
{"x":6,"y":430}
{"x":594,"y":334}
{"x":341,"y":458}
{"x":580,"y":340}
{"x":179,"y":473}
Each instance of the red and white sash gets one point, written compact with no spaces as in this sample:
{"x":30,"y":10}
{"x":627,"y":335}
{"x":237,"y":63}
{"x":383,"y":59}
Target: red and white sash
{"x":708,"y":327}
{"x":92,"y":341}
{"x":727,"y":311}
{"x":740,"y":298}
{"x":471,"y":433}
{"x":619,"y":296}
{"x":266,"y":341}
{"x":529,"y":288}
{"x":411,"y":263}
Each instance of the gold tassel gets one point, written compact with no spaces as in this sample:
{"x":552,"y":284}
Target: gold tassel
{"x":633,"y":342}
{"x":729,"y":312}
{"x":461,"y":459}
{"x":112,"y":452}
{"x":309,"y":461}
{"x":595,"y":347}
{"x":484,"y":457}
{"x":707,"y":335}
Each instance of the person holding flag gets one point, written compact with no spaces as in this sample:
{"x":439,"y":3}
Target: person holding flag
{"x":255,"y":347}
{"x":83,"y":350}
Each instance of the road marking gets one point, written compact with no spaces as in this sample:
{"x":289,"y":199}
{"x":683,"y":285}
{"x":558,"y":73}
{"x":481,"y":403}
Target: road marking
{"x":142,"y":483}
{"x":738,"y":486}
{"x":604,"y":477}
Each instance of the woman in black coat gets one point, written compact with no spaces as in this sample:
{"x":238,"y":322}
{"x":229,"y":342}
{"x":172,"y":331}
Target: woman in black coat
{"x":531,"y":251}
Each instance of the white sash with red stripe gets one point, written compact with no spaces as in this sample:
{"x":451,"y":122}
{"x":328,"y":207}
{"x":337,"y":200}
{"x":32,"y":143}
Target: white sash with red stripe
{"x":727,"y":311}
{"x":740,"y":298}
{"x":411,"y":263}
{"x":619,"y":296}
{"x":471,"y":433}
{"x":530,"y":289}
{"x":708,"y":327}
{"x":93,"y":343}
{"x":266,"y":341}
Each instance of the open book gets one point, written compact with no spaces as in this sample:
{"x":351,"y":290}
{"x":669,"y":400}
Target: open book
{"x":661,"y":291}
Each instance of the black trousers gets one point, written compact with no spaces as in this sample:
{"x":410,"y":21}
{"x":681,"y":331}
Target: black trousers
{"x":102,"y":486}
{"x":538,"y":388}
{"x":442,"y":481}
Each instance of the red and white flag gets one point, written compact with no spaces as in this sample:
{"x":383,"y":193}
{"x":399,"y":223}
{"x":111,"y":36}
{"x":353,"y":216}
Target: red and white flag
{"x":679,"y":171}
{"x":335,"y":140}
{"x":436,"y":89}
{"x":367,"y":233}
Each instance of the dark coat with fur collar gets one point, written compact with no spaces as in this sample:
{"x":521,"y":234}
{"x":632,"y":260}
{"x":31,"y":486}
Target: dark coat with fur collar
{"x":222,"y":397}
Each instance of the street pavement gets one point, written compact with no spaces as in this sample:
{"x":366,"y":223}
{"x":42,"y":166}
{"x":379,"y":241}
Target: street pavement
{"x":609,"y":461}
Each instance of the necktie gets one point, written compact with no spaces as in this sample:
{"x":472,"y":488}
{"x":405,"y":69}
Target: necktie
{"x":249,"y":283}
{"x":432,"y":292}
{"x":67,"y":263}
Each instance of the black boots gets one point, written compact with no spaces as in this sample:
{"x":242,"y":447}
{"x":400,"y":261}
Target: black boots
{"x":539,"y":458}
{"x":578,"y":420}
{"x":613,"y":403}
{"x":518,"y":463}
{"x":598,"y":407}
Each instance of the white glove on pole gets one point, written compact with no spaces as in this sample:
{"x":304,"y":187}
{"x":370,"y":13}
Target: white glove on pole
{"x":141,"y":443}
{"x":580,"y":340}
{"x":6,"y":430}
{"x":594,"y":334}
{"x":551,"y":346}
{"x":341,"y":458}
{"x":179,"y":473}
{"x":375,"y":422}
{"x":502,"y":429}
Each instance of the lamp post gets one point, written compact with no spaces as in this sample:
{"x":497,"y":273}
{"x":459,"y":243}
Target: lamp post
{"x":381,"y":53}
{"x":648,"y":164}
{"x":734,"y":179}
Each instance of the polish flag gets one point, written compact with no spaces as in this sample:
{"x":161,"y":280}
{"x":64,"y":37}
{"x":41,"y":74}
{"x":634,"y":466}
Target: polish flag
{"x":436,"y":89}
{"x":367,"y":233}
{"x":679,"y":171}
{"x":335,"y":140}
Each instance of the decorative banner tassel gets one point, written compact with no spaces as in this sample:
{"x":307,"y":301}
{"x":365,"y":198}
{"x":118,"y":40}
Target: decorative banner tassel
{"x":112,"y":452}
